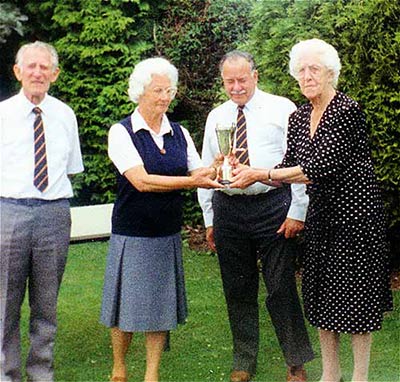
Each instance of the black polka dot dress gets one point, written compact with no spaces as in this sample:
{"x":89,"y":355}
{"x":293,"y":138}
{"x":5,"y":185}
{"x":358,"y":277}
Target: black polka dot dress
{"x":346,"y":274}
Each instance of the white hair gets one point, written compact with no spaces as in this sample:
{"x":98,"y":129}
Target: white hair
{"x":326,"y":53}
{"x":236,"y":55}
{"x":37,"y":45}
{"x":143,"y":72}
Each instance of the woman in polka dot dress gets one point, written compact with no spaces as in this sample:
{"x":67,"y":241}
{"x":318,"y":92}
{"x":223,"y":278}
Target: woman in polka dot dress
{"x":346,"y":276}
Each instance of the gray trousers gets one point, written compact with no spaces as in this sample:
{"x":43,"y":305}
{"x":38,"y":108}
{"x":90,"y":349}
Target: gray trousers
{"x":244,"y":231}
{"x":34,"y":245}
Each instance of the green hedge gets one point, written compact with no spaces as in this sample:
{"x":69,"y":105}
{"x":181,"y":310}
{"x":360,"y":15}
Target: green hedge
{"x":100,"y":42}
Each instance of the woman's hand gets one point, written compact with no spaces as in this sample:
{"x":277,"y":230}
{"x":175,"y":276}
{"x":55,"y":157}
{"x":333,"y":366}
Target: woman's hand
{"x":205,"y":177}
{"x":245,"y":176}
{"x":289,"y":175}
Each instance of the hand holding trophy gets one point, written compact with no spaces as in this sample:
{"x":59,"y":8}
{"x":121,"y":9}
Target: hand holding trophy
{"x":226,"y":141}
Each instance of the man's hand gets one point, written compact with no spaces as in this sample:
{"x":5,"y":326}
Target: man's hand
{"x":218,"y":160}
{"x":244,"y":176}
{"x":291,"y":228}
{"x":210,"y":238}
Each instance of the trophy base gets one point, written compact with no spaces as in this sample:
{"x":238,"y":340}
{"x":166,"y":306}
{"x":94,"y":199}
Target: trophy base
{"x":225,"y":182}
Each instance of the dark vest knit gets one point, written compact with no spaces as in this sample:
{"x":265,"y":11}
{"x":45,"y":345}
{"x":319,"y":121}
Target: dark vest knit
{"x":149,"y":214}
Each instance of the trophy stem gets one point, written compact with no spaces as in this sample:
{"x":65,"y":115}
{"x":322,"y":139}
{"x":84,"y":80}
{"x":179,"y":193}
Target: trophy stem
{"x":226,"y":172}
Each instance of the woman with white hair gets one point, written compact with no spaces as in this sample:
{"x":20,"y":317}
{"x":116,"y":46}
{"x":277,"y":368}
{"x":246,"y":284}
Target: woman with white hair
{"x":144,"y":287}
{"x":346,"y":274}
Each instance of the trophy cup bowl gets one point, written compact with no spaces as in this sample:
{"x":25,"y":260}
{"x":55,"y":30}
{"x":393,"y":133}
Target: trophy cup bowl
{"x":226,"y":142}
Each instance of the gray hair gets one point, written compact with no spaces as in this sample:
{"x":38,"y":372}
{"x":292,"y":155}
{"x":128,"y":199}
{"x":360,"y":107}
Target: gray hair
{"x":326,"y":53}
{"x":143,"y":72}
{"x":37,"y":45}
{"x":235,"y":55}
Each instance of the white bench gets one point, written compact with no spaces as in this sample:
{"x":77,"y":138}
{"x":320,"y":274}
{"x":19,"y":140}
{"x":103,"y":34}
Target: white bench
{"x":91,"y":222}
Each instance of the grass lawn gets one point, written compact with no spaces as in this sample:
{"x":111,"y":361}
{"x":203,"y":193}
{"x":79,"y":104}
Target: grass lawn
{"x":201,"y":349}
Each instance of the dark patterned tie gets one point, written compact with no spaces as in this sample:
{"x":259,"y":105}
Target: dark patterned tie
{"x":242,"y":152}
{"x":40,"y":179}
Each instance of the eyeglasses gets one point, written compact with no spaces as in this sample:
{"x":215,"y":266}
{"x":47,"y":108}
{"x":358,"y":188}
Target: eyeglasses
{"x":170,"y":92}
{"x":313,"y":70}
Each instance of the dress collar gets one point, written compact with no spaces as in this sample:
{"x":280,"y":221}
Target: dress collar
{"x":138,"y":123}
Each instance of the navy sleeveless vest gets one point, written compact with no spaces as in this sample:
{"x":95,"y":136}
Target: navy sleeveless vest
{"x":152,"y":214}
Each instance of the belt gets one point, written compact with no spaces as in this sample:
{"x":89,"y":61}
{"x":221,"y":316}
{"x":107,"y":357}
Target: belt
{"x":259,"y":196}
{"x":30,"y":202}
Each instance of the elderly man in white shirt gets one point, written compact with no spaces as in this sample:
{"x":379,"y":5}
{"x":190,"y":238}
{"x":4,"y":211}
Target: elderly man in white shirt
{"x":39,"y":150}
{"x":252,"y":229}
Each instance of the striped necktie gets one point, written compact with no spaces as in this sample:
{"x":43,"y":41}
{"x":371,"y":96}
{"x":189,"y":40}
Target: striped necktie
{"x":242,"y":152}
{"x":40,"y":179}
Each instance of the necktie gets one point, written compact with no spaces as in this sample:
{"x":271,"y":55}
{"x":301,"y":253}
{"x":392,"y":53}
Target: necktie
{"x":40,"y":179}
{"x":242,"y":152}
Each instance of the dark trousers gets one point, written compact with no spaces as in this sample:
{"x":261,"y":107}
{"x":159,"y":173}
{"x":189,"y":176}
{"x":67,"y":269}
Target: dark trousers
{"x":244,"y":231}
{"x":34,"y":244}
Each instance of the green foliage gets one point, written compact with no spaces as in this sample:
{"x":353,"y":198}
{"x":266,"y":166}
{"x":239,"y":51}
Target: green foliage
{"x":370,"y":43}
{"x":11,"y":19}
{"x":99,"y":43}
{"x":192,"y":211}
{"x":277,"y":27}
{"x":194,"y":35}
{"x":367,"y":37}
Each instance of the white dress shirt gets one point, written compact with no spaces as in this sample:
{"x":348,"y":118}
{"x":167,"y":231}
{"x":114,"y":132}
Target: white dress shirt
{"x":267,"y":119}
{"x":124,"y":154}
{"x":17,"y":147}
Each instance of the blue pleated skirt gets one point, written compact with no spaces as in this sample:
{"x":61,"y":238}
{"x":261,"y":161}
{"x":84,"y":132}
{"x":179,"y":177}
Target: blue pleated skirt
{"x":144,"y":286}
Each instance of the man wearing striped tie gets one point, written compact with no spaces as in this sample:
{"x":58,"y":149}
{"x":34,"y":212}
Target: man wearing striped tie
{"x":252,"y":229}
{"x":39,"y":150}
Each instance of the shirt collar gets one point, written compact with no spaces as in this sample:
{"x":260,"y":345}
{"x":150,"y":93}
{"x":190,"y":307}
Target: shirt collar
{"x":138,"y":123}
{"x":250,"y":105}
{"x":27,"y":106}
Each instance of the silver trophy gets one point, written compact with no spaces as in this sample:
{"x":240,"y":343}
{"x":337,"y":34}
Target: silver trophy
{"x":226,"y":141}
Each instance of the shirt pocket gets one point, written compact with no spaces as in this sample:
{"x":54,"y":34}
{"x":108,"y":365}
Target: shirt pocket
{"x":269,"y":135}
{"x":16,"y":137}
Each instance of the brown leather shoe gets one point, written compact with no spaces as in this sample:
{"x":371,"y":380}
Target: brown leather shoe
{"x":240,"y":376}
{"x":296,"y":374}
